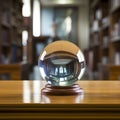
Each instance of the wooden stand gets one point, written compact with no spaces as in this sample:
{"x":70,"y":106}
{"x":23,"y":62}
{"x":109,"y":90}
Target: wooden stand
{"x":61,"y":91}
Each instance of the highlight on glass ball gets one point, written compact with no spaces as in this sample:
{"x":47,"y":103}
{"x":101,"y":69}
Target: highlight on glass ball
{"x":61,"y":63}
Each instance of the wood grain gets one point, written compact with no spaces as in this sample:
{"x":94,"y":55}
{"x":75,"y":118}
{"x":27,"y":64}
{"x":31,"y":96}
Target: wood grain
{"x":95,"y":92}
{"x":101,"y":100}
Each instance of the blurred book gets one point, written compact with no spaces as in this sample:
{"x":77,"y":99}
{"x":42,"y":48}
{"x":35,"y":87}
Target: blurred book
{"x":117,"y":58}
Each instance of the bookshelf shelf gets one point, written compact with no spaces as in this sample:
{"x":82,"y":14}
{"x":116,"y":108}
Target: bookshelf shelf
{"x":114,"y":9}
{"x":115,"y":39}
{"x":11,"y":49}
{"x":5,"y":45}
{"x":5,"y":24}
{"x":105,"y":47}
{"x":10,"y":32}
{"x":105,"y":27}
{"x":107,"y":53}
{"x":94,"y":3}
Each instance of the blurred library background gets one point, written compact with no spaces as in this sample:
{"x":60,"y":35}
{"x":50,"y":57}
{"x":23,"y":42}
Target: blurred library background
{"x":27,"y":26}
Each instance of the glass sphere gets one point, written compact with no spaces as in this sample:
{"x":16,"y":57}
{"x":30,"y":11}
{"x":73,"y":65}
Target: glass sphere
{"x":61,"y":63}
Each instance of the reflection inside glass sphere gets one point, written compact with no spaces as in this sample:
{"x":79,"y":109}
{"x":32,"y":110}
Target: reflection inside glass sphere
{"x":61,"y":68}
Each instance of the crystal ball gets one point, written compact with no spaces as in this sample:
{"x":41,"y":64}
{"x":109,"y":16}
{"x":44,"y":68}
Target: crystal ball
{"x":61,"y":63}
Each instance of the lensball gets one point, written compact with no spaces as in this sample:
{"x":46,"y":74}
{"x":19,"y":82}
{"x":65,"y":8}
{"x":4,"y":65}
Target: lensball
{"x":61,"y":63}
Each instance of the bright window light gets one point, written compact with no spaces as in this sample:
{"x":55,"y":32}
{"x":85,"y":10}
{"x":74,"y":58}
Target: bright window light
{"x":65,"y":1}
{"x":36,"y":18}
{"x":26,"y":10}
{"x":24,"y":37}
{"x":68,"y":23}
{"x":61,"y":70}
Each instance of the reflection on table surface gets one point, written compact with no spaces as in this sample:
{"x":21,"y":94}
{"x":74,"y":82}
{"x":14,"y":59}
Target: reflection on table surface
{"x":21,"y":92}
{"x":32,"y":94}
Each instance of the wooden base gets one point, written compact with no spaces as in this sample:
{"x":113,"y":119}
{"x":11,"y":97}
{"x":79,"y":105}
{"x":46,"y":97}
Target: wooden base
{"x":58,"y":90}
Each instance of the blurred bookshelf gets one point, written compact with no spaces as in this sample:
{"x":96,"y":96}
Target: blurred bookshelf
{"x":11,"y":38}
{"x":103,"y":54}
{"x":11,"y":24}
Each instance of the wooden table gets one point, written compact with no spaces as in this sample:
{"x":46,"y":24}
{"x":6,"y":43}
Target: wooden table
{"x":23,"y":99}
